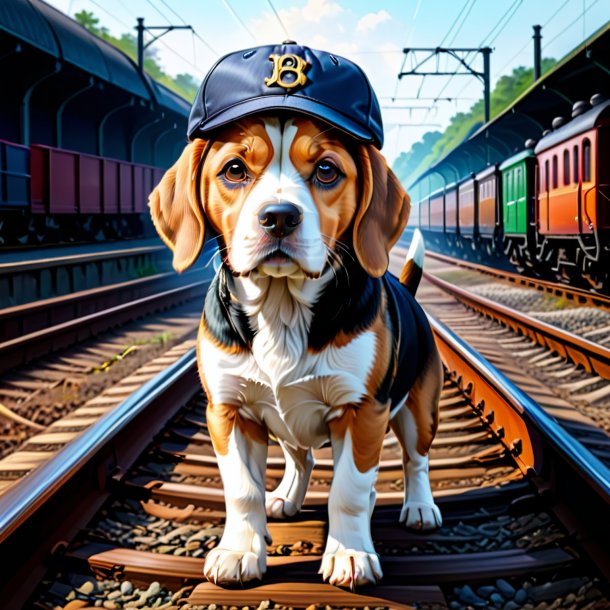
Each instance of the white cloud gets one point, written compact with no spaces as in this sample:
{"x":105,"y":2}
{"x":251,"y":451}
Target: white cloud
{"x":316,"y":10}
{"x":371,"y":20}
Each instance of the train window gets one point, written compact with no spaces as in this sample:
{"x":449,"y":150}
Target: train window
{"x":555,"y":172}
{"x":586,"y":161}
{"x":546,"y":175}
{"x":575,"y":177}
{"x":566,"y":167}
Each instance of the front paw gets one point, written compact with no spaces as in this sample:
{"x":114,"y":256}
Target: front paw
{"x":349,"y":568}
{"x":279,"y":507}
{"x":226,"y":567}
{"x":421,"y":515}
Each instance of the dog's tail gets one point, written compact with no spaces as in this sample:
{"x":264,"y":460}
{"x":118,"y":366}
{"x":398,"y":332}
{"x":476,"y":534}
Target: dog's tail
{"x":414,"y":264}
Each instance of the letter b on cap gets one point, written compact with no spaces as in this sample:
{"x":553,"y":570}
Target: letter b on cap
{"x":287,"y":66}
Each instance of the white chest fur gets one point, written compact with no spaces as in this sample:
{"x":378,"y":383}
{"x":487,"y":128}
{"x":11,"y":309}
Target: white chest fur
{"x":280,"y":382}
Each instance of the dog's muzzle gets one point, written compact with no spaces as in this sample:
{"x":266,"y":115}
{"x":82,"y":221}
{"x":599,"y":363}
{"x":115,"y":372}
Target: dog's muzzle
{"x":280,"y":219}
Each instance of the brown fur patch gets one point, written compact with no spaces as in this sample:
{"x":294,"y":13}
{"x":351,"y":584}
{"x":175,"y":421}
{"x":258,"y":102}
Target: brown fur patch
{"x":175,"y":206}
{"x":367,"y":424}
{"x":248,"y":141}
{"x":314,"y":142}
{"x":410,"y":276}
{"x":222,"y":418}
{"x":423,"y":401}
{"x":382,"y":213}
{"x":383,"y":346}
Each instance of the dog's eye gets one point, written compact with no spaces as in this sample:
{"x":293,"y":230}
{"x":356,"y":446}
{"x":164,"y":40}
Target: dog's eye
{"x":326,"y":173}
{"x":235,"y":171}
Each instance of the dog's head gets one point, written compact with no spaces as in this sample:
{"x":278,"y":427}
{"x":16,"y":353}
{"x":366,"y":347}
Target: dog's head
{"x":282,"y":194}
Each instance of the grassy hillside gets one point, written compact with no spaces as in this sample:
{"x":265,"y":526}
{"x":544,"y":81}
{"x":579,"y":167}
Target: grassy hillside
{"x":435,"y":145}
{"x":183,"y":84}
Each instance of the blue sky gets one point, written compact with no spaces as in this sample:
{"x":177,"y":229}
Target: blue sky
{"x":371,"y":33}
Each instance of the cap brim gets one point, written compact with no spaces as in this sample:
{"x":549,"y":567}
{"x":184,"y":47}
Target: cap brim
{"x":285,"y":102}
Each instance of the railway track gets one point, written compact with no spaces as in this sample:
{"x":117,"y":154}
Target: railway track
{"x":563,"y":372}
{"x":137,"y":501}
{"x":35,"y":329}
{"x":572,"y":294}
{"x":125,"y":332}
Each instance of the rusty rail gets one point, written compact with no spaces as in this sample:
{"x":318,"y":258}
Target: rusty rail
{"x":593,"y":357}
{"x":524,"y":423}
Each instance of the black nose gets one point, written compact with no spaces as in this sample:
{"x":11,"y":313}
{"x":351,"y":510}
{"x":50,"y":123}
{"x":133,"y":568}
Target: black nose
{"x":280,"y":219}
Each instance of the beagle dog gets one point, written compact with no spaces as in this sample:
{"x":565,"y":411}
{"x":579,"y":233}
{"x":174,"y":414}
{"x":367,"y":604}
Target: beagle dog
{"x":305,"y":336}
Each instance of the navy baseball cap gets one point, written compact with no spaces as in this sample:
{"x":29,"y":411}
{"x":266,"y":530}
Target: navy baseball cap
{"x":287,"y":77}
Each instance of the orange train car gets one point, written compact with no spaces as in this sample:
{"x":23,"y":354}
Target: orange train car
{"x":574,"y":174}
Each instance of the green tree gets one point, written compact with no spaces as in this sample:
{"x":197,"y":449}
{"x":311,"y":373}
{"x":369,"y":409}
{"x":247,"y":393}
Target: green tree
{"x":183,"y":84}
{"x":433,"y":146}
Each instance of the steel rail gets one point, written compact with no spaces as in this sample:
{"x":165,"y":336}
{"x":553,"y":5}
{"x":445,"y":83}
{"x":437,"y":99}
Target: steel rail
{"x":15,"y":312}
{"x":545,"y":426}
{"x":578,"y":296}
{"x":17,"y":351}
{"x":593,"y":357}
{"x":31,"y":493}
{"x":75,"y":259}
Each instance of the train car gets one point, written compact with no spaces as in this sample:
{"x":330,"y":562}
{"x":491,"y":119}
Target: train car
{"x":573,"y":194}
{"x":90,"y":184}
{"x":84,"y":134}
{"x":14,"y":176}
{"x":437,"y":211}
{"x":451,"y":209}
{"x":488,"y":216}
{"x":424,"y":214}
{"x":517,"y":208}
{"x":467,"y":210}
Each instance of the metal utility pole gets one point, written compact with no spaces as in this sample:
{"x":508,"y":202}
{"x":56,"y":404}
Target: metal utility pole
{"x":140,"y":29}
{"x":537,"y":52}
{"x":483,"y":76}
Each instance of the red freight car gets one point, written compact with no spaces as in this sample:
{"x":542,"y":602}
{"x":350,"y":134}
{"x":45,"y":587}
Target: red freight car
{"x":67,"y":182}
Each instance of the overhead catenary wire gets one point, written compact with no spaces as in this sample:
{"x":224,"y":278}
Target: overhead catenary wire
{"x":455,"y":21}
{"x":492,"y":35}
{"x":457,"y":31}
{"x":159,"y":11}
{"x":190,"y":63}
{"x":277,"y":16}
{"x":238,"y":19}
{"x":528,"y":43}
{"x":128,"y":27}
{"x":195,"y":33}
{"x":571,"y":24}
{"x":502,"y":23}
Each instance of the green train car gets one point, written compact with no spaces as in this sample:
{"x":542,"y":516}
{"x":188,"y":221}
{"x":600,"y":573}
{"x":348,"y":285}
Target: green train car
{"x":517,"y":204}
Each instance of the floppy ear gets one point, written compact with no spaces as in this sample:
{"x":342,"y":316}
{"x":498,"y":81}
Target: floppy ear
{"x":382,"y":212}
{"x":176,"y":207}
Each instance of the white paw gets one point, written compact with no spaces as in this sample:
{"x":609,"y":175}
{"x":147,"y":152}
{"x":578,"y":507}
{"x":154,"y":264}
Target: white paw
{"x":225,"y":567}
{"x":421,"y":515}
{"x":279,"y":507}
{"x":348,"y":568}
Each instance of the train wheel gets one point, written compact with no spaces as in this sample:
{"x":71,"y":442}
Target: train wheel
{"x":595,"y":274}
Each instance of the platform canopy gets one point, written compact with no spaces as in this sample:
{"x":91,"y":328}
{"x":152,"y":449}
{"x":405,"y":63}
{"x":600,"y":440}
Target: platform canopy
{"x":44,"y":27}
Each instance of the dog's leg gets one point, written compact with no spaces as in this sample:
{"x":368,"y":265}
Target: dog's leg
{"x":411,"y":422}
{"x":241,"y":451}
{"x":350,"y":558}
{"x":286,"y":500}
